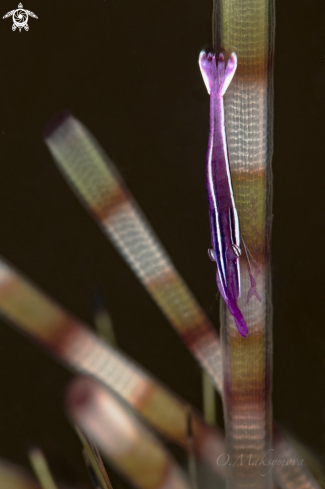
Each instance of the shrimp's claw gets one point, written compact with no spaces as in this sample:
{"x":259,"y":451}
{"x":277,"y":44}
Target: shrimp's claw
{"x":252,"y":291}
{"x":216,"y":77}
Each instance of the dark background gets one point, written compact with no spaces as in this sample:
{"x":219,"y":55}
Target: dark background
{"x":128,"y":70}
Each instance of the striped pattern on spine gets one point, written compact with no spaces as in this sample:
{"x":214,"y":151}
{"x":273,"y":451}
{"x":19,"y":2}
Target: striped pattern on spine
{"x":101,"y":189}
{"x":44,"y":321}
{"x":247,"y":27}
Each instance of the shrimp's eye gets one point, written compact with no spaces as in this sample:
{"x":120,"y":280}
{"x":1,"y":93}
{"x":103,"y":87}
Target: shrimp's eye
{"x":236,"y":250}
{"x":211,"y":254}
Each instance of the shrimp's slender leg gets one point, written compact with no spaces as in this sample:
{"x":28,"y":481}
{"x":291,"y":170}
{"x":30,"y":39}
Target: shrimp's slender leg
{"x":252,"y":291}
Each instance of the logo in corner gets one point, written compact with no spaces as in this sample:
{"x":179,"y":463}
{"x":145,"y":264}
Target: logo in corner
{"x":20,"y":18}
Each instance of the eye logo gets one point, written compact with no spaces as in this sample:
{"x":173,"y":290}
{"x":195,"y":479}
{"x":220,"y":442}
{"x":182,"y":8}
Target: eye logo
{"x":20,"y":18}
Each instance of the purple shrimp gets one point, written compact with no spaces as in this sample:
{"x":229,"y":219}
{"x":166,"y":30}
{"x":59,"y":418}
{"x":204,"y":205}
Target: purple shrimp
{"x":224,"y":222}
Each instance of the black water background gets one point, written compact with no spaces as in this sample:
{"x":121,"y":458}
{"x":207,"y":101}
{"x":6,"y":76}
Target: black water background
{"x":129,"y":71}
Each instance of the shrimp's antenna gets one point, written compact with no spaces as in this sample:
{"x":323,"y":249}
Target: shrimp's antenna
{"x":252,"y":291}
{"x":255,"y":264}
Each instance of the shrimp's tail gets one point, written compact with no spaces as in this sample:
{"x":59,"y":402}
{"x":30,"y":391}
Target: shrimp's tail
{"x":234,"y":310}
{"x":238,"y":317}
